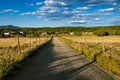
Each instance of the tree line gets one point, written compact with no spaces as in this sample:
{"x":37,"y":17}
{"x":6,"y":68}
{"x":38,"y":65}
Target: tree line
{"x":33,"y":32}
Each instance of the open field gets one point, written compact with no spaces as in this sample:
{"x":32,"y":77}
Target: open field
{"x":95,"y":39}
{"x":11,"y":53}
{"x":103,"y":50}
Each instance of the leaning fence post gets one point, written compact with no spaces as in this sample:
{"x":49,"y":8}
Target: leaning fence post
{"x":19,"y":48}
{"x":103,"y":46}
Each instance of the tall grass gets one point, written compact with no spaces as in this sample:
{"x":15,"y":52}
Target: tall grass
{"x":9,"y":52}
{"x":110,"y":59}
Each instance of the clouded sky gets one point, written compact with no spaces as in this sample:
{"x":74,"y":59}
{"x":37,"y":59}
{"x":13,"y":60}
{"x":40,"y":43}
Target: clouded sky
{"x":50,"y":13}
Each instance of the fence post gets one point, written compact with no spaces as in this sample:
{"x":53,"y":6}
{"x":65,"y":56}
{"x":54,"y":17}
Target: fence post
{"x":19,"y":48}
{"x":103,"y":46}
{"x":39,"y":40}
{"x":86,"y":43}
{"x":30,"y":43}
{"x":36,"y":41}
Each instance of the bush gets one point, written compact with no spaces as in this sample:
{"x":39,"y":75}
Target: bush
{"x":101,"y":32}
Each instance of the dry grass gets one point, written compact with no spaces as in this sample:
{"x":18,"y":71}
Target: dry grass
{"x":10,"y":54}
{"x":95,"y":39}
{"x":110,"y":59}
{"x":12,"y":42}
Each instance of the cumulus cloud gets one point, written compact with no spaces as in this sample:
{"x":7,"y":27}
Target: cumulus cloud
{"x":58,"y":3}
{"x":54,"y":3}
{"x":76,"y":11}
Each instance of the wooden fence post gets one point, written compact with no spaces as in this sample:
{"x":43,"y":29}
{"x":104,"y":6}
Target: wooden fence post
{"x":19,"y":48}
{"x":39,"y":40}
{"x":103,"y":46}
{"x":30,"y":43}
{"x":36,"y":41}
{"x":86,"y":43}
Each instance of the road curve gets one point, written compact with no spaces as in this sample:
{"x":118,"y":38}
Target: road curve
{"x":56,"y":61}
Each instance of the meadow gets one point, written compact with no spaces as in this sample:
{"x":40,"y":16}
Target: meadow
{"x":103,"y":50}
{"x":11,"y":53}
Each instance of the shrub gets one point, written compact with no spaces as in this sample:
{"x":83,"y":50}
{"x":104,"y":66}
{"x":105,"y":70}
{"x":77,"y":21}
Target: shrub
{"x":101,"y":32}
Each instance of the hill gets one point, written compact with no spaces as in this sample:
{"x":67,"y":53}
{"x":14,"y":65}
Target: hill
{"x":9,"y":26}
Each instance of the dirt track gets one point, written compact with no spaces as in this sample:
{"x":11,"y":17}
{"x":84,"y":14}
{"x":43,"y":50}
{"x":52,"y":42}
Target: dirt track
{"x":56,"y":61}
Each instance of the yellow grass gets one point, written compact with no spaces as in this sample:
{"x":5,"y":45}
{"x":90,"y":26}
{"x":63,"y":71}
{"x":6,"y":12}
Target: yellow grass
{"x":12,"y":42}
{"x":109,"y":59}
{"x":95,"y":39}
{"x":10,"y":53}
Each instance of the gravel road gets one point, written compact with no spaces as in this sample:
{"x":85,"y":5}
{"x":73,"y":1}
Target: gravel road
{"x":56,"y":61}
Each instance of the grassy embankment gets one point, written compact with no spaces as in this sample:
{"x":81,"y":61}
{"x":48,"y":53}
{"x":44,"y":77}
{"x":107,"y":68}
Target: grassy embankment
{"x":92,"y":48}
{"x":10,"y":56}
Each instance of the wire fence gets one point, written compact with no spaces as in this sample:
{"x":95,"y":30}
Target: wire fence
{"x":103,"y":50}
{"x":14,"y":49}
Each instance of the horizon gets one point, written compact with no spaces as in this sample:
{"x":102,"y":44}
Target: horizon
{"x":56,"y":13}
{"x":61,"y":26}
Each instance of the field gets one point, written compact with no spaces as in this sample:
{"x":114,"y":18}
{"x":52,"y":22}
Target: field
{"x":103,"y":50}
{"x":11,"y":52}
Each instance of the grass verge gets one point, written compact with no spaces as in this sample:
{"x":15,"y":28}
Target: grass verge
{"x":104,"y":59}
{"x":15,"y":64}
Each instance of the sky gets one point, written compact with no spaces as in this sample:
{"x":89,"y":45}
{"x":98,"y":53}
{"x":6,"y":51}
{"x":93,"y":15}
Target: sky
{"x":56,"y":13}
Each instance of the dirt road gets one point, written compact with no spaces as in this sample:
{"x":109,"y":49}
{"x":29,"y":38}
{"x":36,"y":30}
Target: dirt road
{"x":56,"y":61}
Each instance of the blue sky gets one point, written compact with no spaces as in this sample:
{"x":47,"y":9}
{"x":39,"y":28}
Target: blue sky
{"x":53,"y":13}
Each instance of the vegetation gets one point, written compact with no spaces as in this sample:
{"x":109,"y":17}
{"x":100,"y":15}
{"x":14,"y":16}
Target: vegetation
{"x":11,"y":55}
{"x":89,"y":46}
{"x":33,"y":32}
{"x":109,"y":59}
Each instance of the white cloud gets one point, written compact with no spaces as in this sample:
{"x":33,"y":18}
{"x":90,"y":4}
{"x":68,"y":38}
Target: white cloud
{"x":28,"y":13}
{"x":106,"y":10}
{"x":62,"y":3}
{"x":56,"y":3}
{"x":97,"y":2}
{"x":78,"y":22}
{"x":48,"y":2}
{"x":82,"y":8}
{"x":76,"y":14}
{"x":53,"y":11}
{"x":39,"y":3}
{"x":96,"y":18}
{"x":9,"y":10}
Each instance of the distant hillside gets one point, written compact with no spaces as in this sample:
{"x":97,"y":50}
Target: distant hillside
{"x":9,"y":26}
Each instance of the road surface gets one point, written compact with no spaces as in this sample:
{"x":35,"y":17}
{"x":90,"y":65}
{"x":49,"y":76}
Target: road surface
{"x":56,"y":61}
